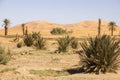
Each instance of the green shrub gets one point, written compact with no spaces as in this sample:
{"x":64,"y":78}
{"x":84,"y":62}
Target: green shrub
{"x":74,"y":43}
{"x":4,"y":57}
{"x":58,"y":31}
{"x":63,"y":43}
{"x":35,"y":35}
{"x":101,"y":54}
{"x":40,"y":42}
{"x":28,"y":40}
{"x":35,"y":39}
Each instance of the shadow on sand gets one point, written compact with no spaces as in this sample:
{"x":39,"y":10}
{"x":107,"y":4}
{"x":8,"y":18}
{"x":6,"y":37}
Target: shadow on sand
{"x":75,"y":70}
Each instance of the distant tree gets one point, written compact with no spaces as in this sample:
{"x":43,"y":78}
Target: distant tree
{"x":99,"y":27}
{"x":23,"y":29}
{"x":6,"y":25}
{"x":112,"y":27}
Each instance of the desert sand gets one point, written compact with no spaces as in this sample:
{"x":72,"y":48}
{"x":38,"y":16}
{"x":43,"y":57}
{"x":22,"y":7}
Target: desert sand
{"x":27,"y":58}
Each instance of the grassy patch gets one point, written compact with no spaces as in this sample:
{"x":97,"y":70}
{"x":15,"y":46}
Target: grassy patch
{"x":7,"y":70}
{"x":49,"y":73}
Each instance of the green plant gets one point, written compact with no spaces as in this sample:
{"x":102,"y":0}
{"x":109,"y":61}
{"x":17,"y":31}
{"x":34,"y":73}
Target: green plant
{"x":40,"y":42}
{"x":58,"y":31}
{"x":28,"y":40}
{"x":35,"y":35}
{"x":63,"y":43}
{"x":101,"y":54}
{"x":4,"y":57}
{"x":74,"y":43}
{"x":7,"y":70}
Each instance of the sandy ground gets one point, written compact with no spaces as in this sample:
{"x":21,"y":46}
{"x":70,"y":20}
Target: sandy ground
{"x":44,"y":60}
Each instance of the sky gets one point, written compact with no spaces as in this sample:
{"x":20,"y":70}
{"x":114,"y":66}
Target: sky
{"x":59,"y":11}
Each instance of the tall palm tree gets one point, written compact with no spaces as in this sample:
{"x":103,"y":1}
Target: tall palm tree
{"x":23,"y":28}
{"x":99,"y":27}
{"x":6,"y":25}
{"x":112,"y":27}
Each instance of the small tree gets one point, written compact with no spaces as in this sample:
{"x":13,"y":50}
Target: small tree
{"x":112,"y":27}
{"x":6,"y":25}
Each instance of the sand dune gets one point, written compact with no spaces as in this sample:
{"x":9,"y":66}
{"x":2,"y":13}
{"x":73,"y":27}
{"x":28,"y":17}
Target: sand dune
{"x":83,"y":28}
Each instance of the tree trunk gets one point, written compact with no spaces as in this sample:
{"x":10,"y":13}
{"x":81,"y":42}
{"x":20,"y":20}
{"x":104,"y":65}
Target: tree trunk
{"x":99,"y":27}
{"x":112,"y":31}
{"x":26,"y":32}
{"x":23,"y":28}
{"x":6,"y":30}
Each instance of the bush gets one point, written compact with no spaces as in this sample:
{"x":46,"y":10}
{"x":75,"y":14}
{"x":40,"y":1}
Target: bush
{"x":74,"y":43}
{"x":63,"y":43}
{"x":58,"y":31}
{"x":101,"y":54}
{"x":35,"y":35}
{"x":28,"y":40}
{"x":40,"y":43}
{"x":20,"y":44}
{"x":34,"y":39}
{"x":4,"y":57}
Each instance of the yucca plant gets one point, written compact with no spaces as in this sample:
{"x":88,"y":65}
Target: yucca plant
{"x":63,"y":43}
{"x":40,"y":42}
{"x":101,"y":54}
{"x":35,"y":35}
{"x":28,"y":40}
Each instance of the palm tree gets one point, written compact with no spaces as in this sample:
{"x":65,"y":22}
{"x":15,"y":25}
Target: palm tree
{"x":23,"y":29}
{"x":6,"y":24}
{"x":99,"y":27}
{"x":112,"y":27}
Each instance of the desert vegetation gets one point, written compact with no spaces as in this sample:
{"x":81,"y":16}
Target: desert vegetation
{"x":35,"y":53}
{"x":112,"y":26}
{"x":58,"y":31}
{"x":6,"y":25}
{"x":4,"y":56}
{"x":101,"y":54}
{"x":66,"y":42}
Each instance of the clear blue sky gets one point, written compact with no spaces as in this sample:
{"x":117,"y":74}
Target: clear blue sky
{"x":59,"y":11}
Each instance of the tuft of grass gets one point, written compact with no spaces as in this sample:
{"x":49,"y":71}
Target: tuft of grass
{"x":49,"y":73}
{"x":4,"y":57}
{"x":7,"y":70}
{"x":101,"y":54}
